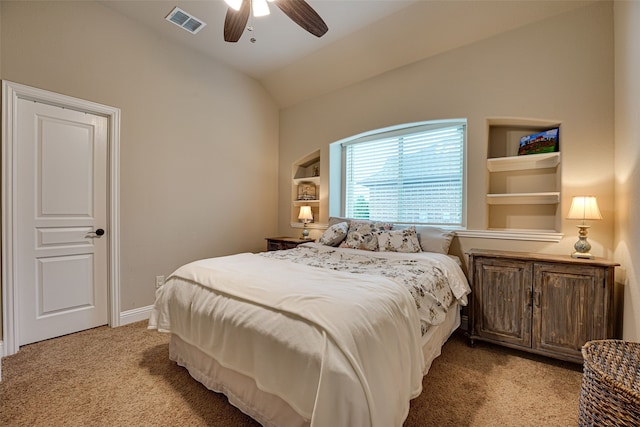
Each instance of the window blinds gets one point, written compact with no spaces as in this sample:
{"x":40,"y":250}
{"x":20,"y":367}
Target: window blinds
{"x":415,"y":176}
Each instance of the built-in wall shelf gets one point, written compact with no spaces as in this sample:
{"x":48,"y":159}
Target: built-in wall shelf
{"x":524,"y":191}
{"x":305,"y":188}
{"x":547,"y":198}
{"x":531,"y":161}
{"x":313,"y":179}
{"x":306,"y":202}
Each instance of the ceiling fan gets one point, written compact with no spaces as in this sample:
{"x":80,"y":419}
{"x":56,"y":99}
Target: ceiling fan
{"x":298,"y":10}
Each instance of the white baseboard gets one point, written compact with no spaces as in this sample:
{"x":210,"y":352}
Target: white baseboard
{"x":135,"y":315}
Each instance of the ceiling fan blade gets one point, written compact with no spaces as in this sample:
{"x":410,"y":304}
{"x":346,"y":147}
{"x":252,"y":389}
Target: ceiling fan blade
{"x":302,"y":14}
{"x":236,"y":21}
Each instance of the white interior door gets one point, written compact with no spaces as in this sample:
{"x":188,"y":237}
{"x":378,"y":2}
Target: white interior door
{"x":62,"y":266}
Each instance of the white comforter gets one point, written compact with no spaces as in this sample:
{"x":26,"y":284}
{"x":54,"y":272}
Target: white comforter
{"x":434,"y":280}
{"x":340,"y":350}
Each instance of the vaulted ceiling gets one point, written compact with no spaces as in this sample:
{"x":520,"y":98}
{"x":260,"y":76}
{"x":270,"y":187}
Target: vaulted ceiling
{"x":365,"y":37}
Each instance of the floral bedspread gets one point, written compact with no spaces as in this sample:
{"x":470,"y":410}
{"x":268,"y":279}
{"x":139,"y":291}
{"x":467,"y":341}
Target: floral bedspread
{"x":426,"y":279}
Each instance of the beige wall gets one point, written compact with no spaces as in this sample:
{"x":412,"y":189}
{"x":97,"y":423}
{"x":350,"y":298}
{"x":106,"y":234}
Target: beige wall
{"x":558,"y":69}
{"x":627,"y":159}
{"x":199,"y":142}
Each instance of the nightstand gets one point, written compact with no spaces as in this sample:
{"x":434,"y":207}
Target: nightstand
{"x":545,"y":304}
{"x":279,"y":243}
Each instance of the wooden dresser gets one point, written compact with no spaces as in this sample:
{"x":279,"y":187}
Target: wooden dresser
{"x":545,"y":304}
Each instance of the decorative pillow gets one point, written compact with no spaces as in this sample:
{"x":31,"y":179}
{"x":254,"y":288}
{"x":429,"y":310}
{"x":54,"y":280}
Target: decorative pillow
{"x":434,"y":239}
{"x":405,"y":240}
{"x":363,"y":235}
{"x":334,"y":234}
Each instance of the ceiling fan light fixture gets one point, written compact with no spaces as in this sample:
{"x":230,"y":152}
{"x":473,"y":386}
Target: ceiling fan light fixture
{"x":260,"y":7}
{"x":299,"y":11}
{"x":234,"y":4}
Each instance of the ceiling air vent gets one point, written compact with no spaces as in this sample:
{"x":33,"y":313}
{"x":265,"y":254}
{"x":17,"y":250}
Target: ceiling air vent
{"x":184,"y":20}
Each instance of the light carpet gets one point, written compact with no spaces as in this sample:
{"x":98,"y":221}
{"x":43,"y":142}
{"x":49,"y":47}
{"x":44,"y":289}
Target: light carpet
{"x":123,"y":377}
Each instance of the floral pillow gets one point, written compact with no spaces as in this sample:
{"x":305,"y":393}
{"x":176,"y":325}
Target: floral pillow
{"x":363,"y":235}
{"x":405,"y":240}
{"x":334,"y":234}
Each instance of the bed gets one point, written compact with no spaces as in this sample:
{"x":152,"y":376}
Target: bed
{"x":317,"y":335}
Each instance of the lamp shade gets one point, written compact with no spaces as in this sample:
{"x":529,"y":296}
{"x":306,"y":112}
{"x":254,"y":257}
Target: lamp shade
{"x":584,"y":207}
{"x":305,"y":213}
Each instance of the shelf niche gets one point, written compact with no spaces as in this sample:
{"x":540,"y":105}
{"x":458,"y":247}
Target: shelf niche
{"x":524,"y":192}
{"x":305,"y":171}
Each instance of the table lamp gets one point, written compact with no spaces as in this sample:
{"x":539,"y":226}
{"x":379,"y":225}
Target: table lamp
{"x":306,"y":216}
{"x":582,"y":208}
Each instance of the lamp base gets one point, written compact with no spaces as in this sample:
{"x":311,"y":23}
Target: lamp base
{"x":305,"y":233}
{"x":583,"y":255}
{"x":582,"y":246}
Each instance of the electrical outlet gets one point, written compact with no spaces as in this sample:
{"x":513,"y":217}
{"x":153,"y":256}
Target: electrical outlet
{"x":159,"y":281}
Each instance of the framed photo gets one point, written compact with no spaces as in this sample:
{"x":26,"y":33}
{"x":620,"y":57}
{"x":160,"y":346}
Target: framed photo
{"x":307,"y":191}
{"x":543,"y":142}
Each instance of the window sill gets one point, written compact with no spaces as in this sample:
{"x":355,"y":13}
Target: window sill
{"x":527,"y":235}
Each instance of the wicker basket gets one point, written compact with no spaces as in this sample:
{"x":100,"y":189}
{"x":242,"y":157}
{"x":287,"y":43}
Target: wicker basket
{"x":610,"y":394}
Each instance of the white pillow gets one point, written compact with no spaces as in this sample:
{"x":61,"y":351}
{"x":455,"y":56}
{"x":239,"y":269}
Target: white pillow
{"x":405,"y":240}
{"x":333,"y":220}
{"x":334,"y":234}
{"x":434,"y":239}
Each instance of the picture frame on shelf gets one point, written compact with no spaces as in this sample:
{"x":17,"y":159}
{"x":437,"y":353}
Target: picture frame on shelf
{"x":547,"y":141}
{"x":307,"y":191}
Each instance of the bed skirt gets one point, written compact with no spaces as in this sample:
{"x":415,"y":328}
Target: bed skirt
{"x":266,"y":408}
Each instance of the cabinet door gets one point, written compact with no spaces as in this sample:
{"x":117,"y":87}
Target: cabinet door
{"x":502,"y":300}
{"x":274,"y":245}
{"x":568,"y":305}
{"x":289,"y":245}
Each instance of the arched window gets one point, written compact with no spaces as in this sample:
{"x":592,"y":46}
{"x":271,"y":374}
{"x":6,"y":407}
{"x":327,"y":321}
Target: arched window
{"x":413,"y":173}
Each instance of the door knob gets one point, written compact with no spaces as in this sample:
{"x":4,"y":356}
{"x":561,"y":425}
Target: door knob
{"x":99,"y":232}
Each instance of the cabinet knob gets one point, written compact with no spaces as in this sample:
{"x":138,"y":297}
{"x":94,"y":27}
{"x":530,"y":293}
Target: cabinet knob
{"x":537,"y":299}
